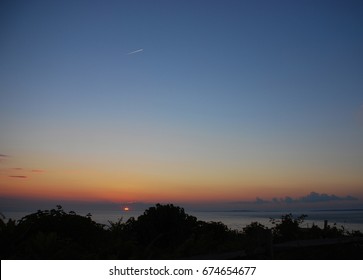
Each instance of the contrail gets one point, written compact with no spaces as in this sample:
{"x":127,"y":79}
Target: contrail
{"x":140,"y":50}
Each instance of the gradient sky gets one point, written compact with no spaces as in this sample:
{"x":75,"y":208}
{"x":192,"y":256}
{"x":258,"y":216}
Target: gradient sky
{"x":169,"y":101}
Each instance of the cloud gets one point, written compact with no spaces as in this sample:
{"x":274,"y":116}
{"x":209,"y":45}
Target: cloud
{"x":18,"y":172}
{"x":26,"y":170}
{"x":257,"y":201}
{"x":18,"y":176}
{"x":37,"y":171}
{"x":3,"y":157}
{"x":315,"y":197}
{"x":312,"y":197}
{"x":137,"y":51}
{"x":289,"y":199}
{"x":260,"y":201}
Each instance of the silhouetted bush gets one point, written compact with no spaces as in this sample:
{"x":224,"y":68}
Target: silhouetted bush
{"x":287,"y":228}
{"x":258,"y":238}
{"x":212,"y":238}
{"x":161,"y":232}
{"x":333,"y":231}
{"x":55,"y":234}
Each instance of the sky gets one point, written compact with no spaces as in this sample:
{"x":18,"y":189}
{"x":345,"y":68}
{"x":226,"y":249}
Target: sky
{"x":182,"y":101}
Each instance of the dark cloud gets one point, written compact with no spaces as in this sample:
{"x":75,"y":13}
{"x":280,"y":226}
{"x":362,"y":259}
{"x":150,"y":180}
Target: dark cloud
{"x":286,"y":199}
{"x":261,"y":201}
{"x":18,"y":176}
{"x":258,"y":200}
{"x":3,"y":157}
{"x":315,"y":197}
{"x":310,"y":198}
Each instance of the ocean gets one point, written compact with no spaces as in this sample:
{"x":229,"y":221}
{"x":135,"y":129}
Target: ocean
{"x":237,"y":220}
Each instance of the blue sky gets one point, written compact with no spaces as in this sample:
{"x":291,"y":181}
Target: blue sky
{"x":227,"y":97}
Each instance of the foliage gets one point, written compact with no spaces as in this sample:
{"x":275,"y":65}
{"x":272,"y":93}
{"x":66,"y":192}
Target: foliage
{"x":53,"y":234}
{"x":254,"y":229}
{"x":161,"y":232}
{"x":257,"y":237}
{"x":288,"y":227}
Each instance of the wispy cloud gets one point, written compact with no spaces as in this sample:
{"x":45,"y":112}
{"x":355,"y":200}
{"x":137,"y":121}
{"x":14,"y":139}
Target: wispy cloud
{"x":37,"y":171}
{"x":136,"y":51}
{"x":25,"y":170}
{"x":18,"y":176}
{"x":19,"y":172}
{"x":3,"y":157}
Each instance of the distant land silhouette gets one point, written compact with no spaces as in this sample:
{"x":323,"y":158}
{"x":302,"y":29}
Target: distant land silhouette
{"x":167,"y":232}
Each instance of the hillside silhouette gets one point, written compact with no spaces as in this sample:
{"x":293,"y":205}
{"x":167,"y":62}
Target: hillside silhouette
{"x":167,"y":232}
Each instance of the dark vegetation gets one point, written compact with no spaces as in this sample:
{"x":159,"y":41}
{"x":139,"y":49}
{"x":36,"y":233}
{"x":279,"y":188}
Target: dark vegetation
{"x":167,"y":232}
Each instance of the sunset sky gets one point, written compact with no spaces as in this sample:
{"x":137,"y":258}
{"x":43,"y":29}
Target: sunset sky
{"x":181,"y":101}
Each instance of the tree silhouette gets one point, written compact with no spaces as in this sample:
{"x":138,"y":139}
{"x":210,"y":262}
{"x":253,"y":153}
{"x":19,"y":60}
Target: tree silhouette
{"x":55,"y":234}
{"x":163,"y":228}
{"x":161,"y":232}
{"x":288,"y":227}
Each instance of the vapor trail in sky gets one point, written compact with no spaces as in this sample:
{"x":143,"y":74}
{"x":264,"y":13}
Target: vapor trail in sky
{"x":137,"y":51}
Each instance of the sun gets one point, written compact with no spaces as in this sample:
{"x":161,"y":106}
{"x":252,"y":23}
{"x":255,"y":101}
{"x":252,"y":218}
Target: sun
{"x":126,"y":208}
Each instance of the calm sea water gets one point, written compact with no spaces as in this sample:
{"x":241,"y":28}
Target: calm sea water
{"x":349,"y":219}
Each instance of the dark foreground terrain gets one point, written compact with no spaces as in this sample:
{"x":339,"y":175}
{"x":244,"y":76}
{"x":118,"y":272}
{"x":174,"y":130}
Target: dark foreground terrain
{"x":167,"y":232}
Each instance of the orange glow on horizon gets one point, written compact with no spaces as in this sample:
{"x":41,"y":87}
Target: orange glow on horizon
{"x":163,"y":184}
{"x":152,"y":191}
